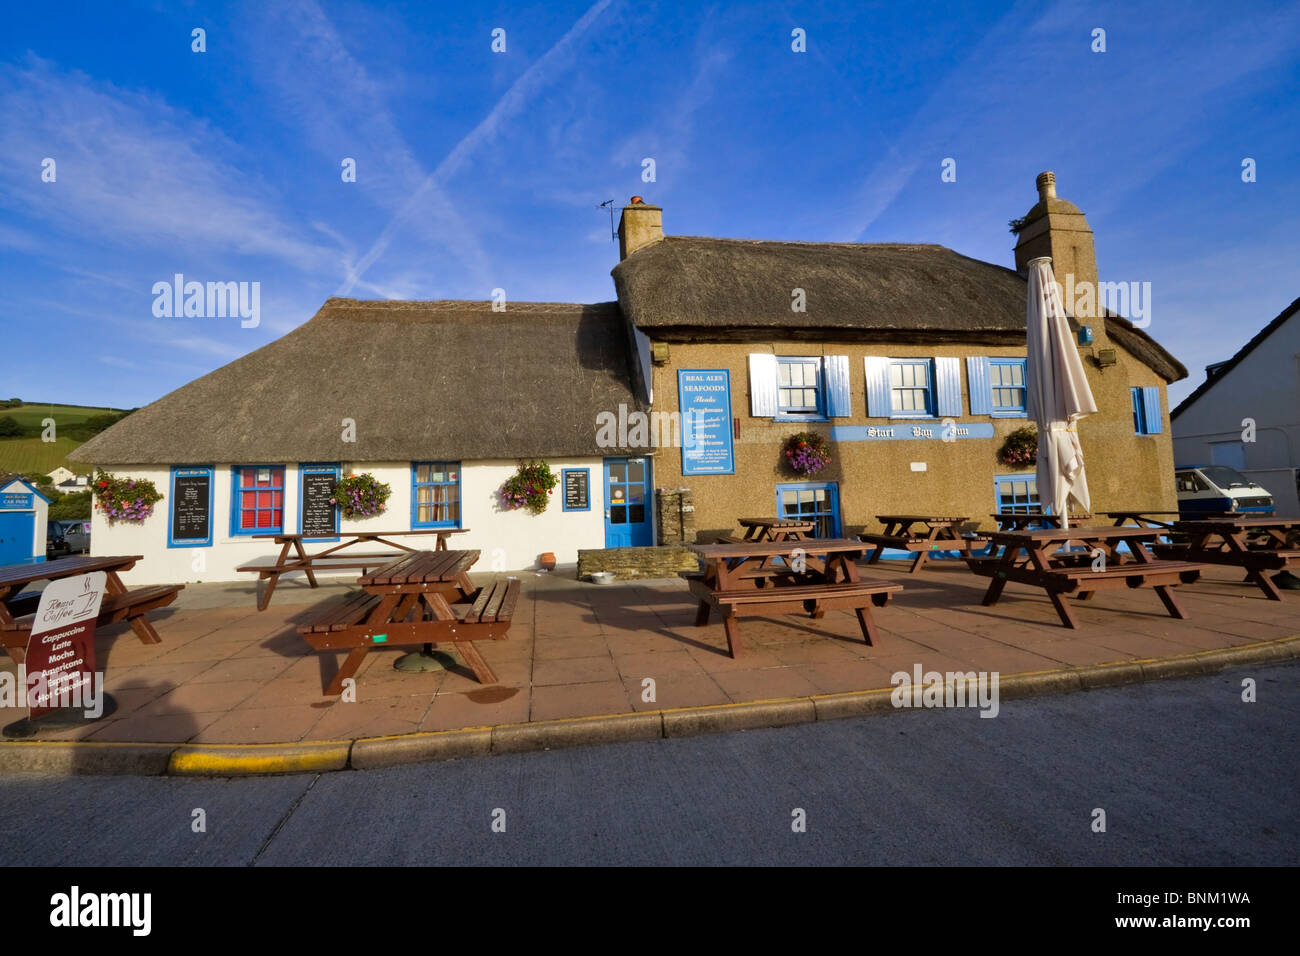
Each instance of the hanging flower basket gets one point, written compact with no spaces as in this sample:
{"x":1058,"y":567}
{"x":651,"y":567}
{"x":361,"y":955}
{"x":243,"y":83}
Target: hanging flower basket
{"x":530,"y":487}
{"x":360,"y":496}
{"x":125,"y":499}
{"x":807,"y":453}
{"x":1020,"y":450}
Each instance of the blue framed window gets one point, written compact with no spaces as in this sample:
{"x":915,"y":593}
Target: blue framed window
{"x":799,"y":391}
{"x":1147,"y":418}
{"x":189,"y":508}
{"x":435,"y":494}
{"x":1007,"y":382}
{"x":816,"y":501}
{"x":911,"y":388}
{"x":1017,"y":494}
{"x":257,"y":499}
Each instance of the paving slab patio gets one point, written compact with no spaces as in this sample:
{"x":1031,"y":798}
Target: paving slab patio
{"x":227,"y":674}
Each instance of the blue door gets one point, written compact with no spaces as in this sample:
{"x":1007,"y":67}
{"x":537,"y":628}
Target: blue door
{"x":17,"y":532}
{"x":627,"y":503}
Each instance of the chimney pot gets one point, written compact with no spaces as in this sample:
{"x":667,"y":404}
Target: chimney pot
{"x":636,"y":201}
{"x":1046,"y":183}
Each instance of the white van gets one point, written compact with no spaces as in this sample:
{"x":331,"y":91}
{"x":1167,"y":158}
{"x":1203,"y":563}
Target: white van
{"x":1218,"y":489}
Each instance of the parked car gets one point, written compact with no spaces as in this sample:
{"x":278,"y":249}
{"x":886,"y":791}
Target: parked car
{"x":55,"y":545}
{"x":76,"y":536}
{"x":1218,"y":489}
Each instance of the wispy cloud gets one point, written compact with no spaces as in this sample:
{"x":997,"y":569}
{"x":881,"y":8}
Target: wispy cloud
{"x":516,"y":97}
{"x":131,"y":167}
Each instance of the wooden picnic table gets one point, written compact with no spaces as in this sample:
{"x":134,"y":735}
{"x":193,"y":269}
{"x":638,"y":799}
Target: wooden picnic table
{"x":815,"y":575}
{"x":941,"y":533}
{"x":119,"y":602}
{"x":423,"y":597}
{"x":775,"y":529}
{"x":1061,"y":572}
{"x":1143,"y":519}
{"x":332,"y":559}
{"x":1029,"y":521}
{"x":1257,"y":545}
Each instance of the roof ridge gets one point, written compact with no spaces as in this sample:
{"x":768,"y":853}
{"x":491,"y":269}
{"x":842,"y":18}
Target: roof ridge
{"x":816,"y":242}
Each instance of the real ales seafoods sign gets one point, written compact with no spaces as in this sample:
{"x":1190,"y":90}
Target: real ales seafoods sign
{"x":704,"y":397}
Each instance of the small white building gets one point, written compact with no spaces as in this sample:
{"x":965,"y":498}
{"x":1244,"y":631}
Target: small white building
{"x":439,"y":400}
{"x":60,"y":476}
{"x":1246,"y":414}
{"x":23,"y":516}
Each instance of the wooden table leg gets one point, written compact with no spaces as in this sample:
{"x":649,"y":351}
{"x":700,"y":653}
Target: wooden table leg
{"x":1265,"y":584}
{"x":1063,"y":609}
{"x":868,"y":625}
{"x":476,"y":662}
{"x":702,"y":615}
{"x":139,"y":622}
{"x":347,"y":669}
{"x":1166,"y":596}
{"x":732,"y":626}
{"x":302,"y":556}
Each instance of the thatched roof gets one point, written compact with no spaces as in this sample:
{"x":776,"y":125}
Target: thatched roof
{"x":689,"y":288}
{"x":422,"y":380}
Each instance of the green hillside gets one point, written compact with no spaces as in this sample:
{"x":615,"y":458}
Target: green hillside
{"x":29,"y":455}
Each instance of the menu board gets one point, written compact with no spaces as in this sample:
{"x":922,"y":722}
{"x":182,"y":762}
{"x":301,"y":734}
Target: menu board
{"x":704,"y":397}
{"x":577,"y":489}
{"x":192,"y":506}
{"x":319,"y":514}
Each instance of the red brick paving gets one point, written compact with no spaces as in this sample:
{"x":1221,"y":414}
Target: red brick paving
{"x":228,"y":674}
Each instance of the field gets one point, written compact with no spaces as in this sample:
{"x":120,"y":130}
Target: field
{"x":35,"y":457}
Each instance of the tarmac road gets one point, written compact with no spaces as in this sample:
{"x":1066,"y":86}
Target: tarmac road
{"x":1186,"y":772}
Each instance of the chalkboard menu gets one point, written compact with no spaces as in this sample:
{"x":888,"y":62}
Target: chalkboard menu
{"x":192,"y":506}
{"x":577,"y":485}
{"x":319,"y":516}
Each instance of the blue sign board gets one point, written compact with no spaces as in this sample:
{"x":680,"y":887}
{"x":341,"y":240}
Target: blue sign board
{"x":704,"y":398}
{"x":21,"y":502}
{"x":929,"y":430}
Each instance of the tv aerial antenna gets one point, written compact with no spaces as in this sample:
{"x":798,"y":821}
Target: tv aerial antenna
{"x":613,"y":233}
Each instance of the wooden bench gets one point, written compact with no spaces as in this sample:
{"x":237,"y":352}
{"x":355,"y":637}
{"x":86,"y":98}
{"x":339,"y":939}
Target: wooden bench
{"x":812,"y":599}
{"x":1082,"y":581}
{"x":133,"y":606}
{"x":365,"y":620}
{"x":942,"y":533}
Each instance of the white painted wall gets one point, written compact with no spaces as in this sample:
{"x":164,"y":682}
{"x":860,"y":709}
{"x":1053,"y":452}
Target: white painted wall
{"x":509,"y":540}
{"x":1265,"y":387}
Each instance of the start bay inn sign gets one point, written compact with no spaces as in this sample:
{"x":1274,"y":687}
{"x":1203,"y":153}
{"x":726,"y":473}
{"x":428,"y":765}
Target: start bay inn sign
{"x":946,"y":430}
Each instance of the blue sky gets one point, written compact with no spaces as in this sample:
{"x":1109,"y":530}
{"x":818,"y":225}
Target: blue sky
{"x":478,"y":170}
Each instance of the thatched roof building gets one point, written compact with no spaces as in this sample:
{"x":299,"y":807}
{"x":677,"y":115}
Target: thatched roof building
{"x":690,"y":288}
{"x":452,"y":379}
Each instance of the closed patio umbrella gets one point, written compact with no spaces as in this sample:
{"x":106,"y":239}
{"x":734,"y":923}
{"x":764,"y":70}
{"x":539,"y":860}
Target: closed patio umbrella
{"x":1058,"y":394}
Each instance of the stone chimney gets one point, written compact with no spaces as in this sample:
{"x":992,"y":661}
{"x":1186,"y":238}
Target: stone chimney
{"x":640,"y":225}
{"x":1056,"y":228}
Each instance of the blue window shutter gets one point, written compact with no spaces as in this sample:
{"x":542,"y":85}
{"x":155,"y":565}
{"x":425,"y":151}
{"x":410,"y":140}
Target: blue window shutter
{"x":762,"y":385}
{"x":839,"y":401}
{"x":878,"y":404}
{"x":1151,"y":409}
{"x":977,"y":383}
{"x":947,"y":386}
{"x":1136,"y":394}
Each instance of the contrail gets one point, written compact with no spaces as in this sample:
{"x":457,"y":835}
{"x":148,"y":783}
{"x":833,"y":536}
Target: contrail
{"x":515,"y":97}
